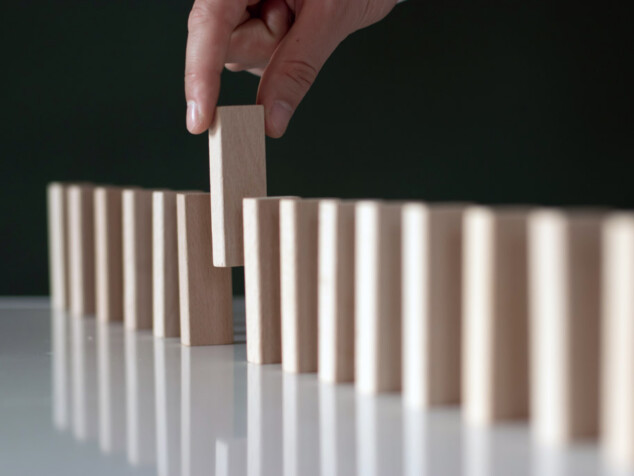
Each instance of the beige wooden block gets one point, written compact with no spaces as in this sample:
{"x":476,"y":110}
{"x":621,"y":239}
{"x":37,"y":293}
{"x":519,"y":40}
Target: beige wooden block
{"x":495,"y":327}
{"x":81,"y":247}
{"x":262,"y":279}
{"x":237,"y":164}
{"x":564,"y":285}
{"x":378,"y":296}
{"x":298,"y":265}
{"x":336,"y":290}
{"x":137,"y":258}
{"x":166,"y":313}
{"x":205,"y":291}
{"x":108,"y":254}
{"x":617,"y":341}
{"x":58,"y":245}
{"x":432,"y":303}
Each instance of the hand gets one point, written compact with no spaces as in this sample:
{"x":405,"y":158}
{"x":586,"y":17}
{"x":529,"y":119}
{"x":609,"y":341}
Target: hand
{"x":284,"y":41}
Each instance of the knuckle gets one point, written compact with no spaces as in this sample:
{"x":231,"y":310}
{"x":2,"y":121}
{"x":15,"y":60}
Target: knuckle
{"x":299,"y":72}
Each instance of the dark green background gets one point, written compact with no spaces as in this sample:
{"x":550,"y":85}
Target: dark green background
{"x":509,"y":102}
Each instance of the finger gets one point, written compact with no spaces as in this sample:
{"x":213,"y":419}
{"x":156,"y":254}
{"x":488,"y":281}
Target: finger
{"x":236,"y":67}
{"x":211,"y":23}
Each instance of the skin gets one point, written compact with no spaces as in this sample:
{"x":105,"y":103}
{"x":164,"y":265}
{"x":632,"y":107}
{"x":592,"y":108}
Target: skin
{"x":286,"y":42}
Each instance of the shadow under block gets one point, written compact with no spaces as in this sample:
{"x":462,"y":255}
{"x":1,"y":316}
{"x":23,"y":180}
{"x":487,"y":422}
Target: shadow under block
{"x":205,"y":291}
{"x":108,"y":253}
{"x":495,"y":327}
{"x":237,"y":164}
{"x":166,"y":321}
{"x":298,"y":268}
{"x":58,"y":245}
{"x":137,"y":258}
{"x":336,"y":291}
{"x":81,"y":247}
{"x":432,"y":297}
{"x":564,"y":273}
{"x":378,"y":297}
{"x":617,"y":345}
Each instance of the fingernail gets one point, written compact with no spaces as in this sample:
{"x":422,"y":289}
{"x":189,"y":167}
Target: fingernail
{"x":193,"y":115}
{"x":279,"y":115}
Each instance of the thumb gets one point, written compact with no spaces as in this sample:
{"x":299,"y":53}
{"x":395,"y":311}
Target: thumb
{"x":295,"y":64}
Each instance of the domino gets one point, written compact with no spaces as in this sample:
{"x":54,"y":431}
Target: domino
{"x":336,"y":291}
{"x":298,"y":267}
{"x":564,"y":271}
{"x":237,"y":164}
{"x":432,"y":303}
{"x":205,"y":291}
{"x":231,"y":457}
{"x":108,"y":254}
{"x":495,"y":327}
{"x":378,"y":297}
{"x":58,"y":245}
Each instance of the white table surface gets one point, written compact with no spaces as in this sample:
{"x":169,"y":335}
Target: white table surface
{"x":77,"y":398}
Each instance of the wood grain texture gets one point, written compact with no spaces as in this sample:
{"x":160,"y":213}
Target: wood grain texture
{"x":108,"y":253}
{"x":237,"y":164}
{"x":336,"y":290}
{"x":137,"y":258}
{"x":298,"y":268}
{"x":378,"y":297}
{"x":58,"y":245}
{"x":81,"y":246}
{"x":495,"y":327}
{"x":166,"y":306}
{"x":564,"y":284}
{"x":432,"y":303}
{"x":205,"y":291}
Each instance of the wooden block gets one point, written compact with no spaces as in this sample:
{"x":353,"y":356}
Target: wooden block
{"x":108,"y":254}
{"x":432,"y":303}
{"x":617,"y":341}
{"x":237,"y":164}
{"x":262,"y":279}
{"x":205,"y":291}
{"x":165,"y":265}
{"x":378,"y":297}
{"x":564,"y":284}
{"x":336,"y":291}
{"x":298,"y":265}
{"x":81,"y":246}
{"x":137,"y":258}
{"x":58,"y":245}
{"x":495,"y":327}
{"x":231,"y":457}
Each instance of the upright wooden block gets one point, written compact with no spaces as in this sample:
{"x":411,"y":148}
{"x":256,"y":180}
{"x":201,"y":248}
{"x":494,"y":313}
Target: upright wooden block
{"x":262,"y":279}
{"x":108,"y":253}
{"x":165,"y":265}
{"x":298,"y":265}
{"x":81,"y":249}
{"x":378,"y":297}
{"x":432,"y":303}
{"x":617,"y":341}
{"x":237,"y":164}
{"x":205,"y":291}
{"x":58,"y":245}
{"x":564,"y":283}
{"x":336,"y":291}
{"x":495,"y":327}
{"x":137,"y":258}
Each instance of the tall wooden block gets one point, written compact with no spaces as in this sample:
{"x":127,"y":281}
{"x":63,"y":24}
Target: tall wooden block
{"x":81,"y":249}
{"x":205,"y":291}
{"x":137,"y":258}
{"x":378,"y":297}
{"x":564,"y":270}
{"x":237,"y":164}
{"x":58,"y":245}
{"x":495,"y":327}
{"x":108,"y":253}
{"x":336,"y":291}
{"x":432,"y":303}
{"x":617,"y":341}
{"x":298,"y":265}
{"x":165,"y":265}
